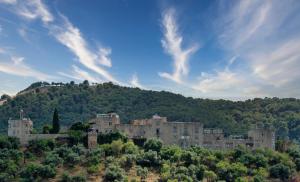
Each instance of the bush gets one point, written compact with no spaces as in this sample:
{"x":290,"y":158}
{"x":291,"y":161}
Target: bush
{"x":142,"y":172}
{"x":127,"y":161}
{"x":94,"y":156}
{"x":107,"y":138}
{"x":297,"y":162}
{"x":153,"y":144}
{"x":114,"y":173}
{"x":232,"y":171}
{"x":280,"y":171}
{"x":130,"y":148}
{"x":72,"y":159}
{"x":116,"y":147}
{"x":93,"y":169}
{"x":67,"y":178}
{"x":9,"y":142}
{"x":148,"y":159}
{"x":32,"y":172}
{"x":52,"y":159}
{"x":41,"y":145}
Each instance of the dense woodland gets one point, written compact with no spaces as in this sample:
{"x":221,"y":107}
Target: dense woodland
{"x":118,"y":159}
{"x":81,"y":102}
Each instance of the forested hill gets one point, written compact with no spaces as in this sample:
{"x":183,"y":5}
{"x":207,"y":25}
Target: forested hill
{"x":81,"y":102}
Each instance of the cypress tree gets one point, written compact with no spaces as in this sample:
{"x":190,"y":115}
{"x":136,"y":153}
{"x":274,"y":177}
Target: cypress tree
{"x":55,"y":122}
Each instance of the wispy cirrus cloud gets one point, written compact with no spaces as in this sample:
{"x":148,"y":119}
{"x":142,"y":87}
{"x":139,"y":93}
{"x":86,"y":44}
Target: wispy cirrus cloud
{"x":266,"y":39}
{"x":79,"y":74}
{"x":135,"y":82}
{"x":71,"y":37}
{"x":17,"y":66}
{"x":68,"y":35}
{"x":8,"y":1}
{"x":34,"y":9}
{"x":172,"y":44}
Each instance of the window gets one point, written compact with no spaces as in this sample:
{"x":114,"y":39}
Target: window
{"x":157,"y":132}
{"x":109,"y":123}
{"x":196,"y":137}
{"x":185,"y":132}
{"x":174,"y":129}
{"x":196,"y":130}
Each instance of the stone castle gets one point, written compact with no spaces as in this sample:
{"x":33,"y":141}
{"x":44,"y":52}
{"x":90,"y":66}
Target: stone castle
{"x":184,"y":134}
{"x":22,"y":128}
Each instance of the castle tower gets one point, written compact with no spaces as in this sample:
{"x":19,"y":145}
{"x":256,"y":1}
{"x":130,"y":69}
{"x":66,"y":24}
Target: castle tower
{"x":20,"y":128}
{"x":92,"y":138}
{"x":262,"y":137}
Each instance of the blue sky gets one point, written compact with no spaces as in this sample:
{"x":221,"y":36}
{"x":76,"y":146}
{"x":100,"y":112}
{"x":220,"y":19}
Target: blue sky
{"x":209,"y":49}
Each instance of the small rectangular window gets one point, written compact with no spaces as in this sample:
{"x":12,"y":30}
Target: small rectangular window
{"x":174,"y":129}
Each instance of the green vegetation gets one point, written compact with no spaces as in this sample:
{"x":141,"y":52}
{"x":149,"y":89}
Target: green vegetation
{"x":81,"y":102}
{"x":55,"y":122}
{"x":121,"y":160}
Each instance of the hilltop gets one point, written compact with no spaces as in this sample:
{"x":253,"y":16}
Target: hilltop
{"x":81,"y":102}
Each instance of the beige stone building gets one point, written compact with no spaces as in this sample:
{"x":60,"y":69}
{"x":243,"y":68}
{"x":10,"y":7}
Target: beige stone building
{"x":184,"y":134}
{"x":22,"y":128}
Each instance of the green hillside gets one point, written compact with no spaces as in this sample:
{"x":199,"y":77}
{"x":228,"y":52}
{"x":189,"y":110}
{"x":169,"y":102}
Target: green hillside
{"x":81,"y":102}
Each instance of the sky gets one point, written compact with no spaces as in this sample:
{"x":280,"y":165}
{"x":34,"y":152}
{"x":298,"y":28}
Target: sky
{"x":219,"y":49}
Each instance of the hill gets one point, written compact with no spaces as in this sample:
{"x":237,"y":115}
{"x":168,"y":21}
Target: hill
{"x":81,"y":102}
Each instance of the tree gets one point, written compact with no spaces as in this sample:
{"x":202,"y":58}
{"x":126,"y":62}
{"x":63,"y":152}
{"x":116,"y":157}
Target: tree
{"x":47,"y":129}
{"x":153,"y":144}
{"x":142,"y":172}
{"x":116,"y":147}
{"x":114,"y":173}
{"x":210,"y":176}
{"x":55,"y":122}
{"x":280,"y":171}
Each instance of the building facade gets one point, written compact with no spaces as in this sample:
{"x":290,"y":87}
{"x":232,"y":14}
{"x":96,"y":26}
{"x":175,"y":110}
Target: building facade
{"x":184,"y":134}
{"x":22,"y":128}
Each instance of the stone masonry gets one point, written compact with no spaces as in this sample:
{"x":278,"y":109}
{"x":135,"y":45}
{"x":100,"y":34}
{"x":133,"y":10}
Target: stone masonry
{"x":184,"y":134}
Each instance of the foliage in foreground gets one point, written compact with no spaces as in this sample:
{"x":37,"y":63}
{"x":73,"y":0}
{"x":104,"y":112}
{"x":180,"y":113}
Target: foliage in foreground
{"x":113,"y":161}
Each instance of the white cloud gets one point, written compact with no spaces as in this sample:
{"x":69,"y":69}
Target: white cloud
{"x":278,"y":66}
{"x":8,"y":1}
{"x":79,"y":74}
{"x":70,"y":36}
{"x":172,"y":43}
{"x":135,"y":82}
{"x":266,"y":40}
{"x":34,"y":9}
{"x":222,"y":80}
{"x":103,"y":56}
{"x":17,"y":66}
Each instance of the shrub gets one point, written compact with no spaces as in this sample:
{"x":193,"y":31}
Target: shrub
{"x":94,"y":156}
{"x":106,"y":138}
{"x":32,"y":172}
{"x":148,"y":159}
{"x":142,"y":172}
{"x":93,"y":169}
{"x":67,"y":178}
{"x":114,"y":173}
{"x":72,"y":159}
{"x":153,"y":144}
{"x":9,"y":142}
{"x":41,"y":145}
{"x":280,"y":171}
{"x":127,"y":161}
{"x":116,"y":147}
{"x":130,"y":148}
{"x":297,"y":162}
{"x":52,"y":159}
